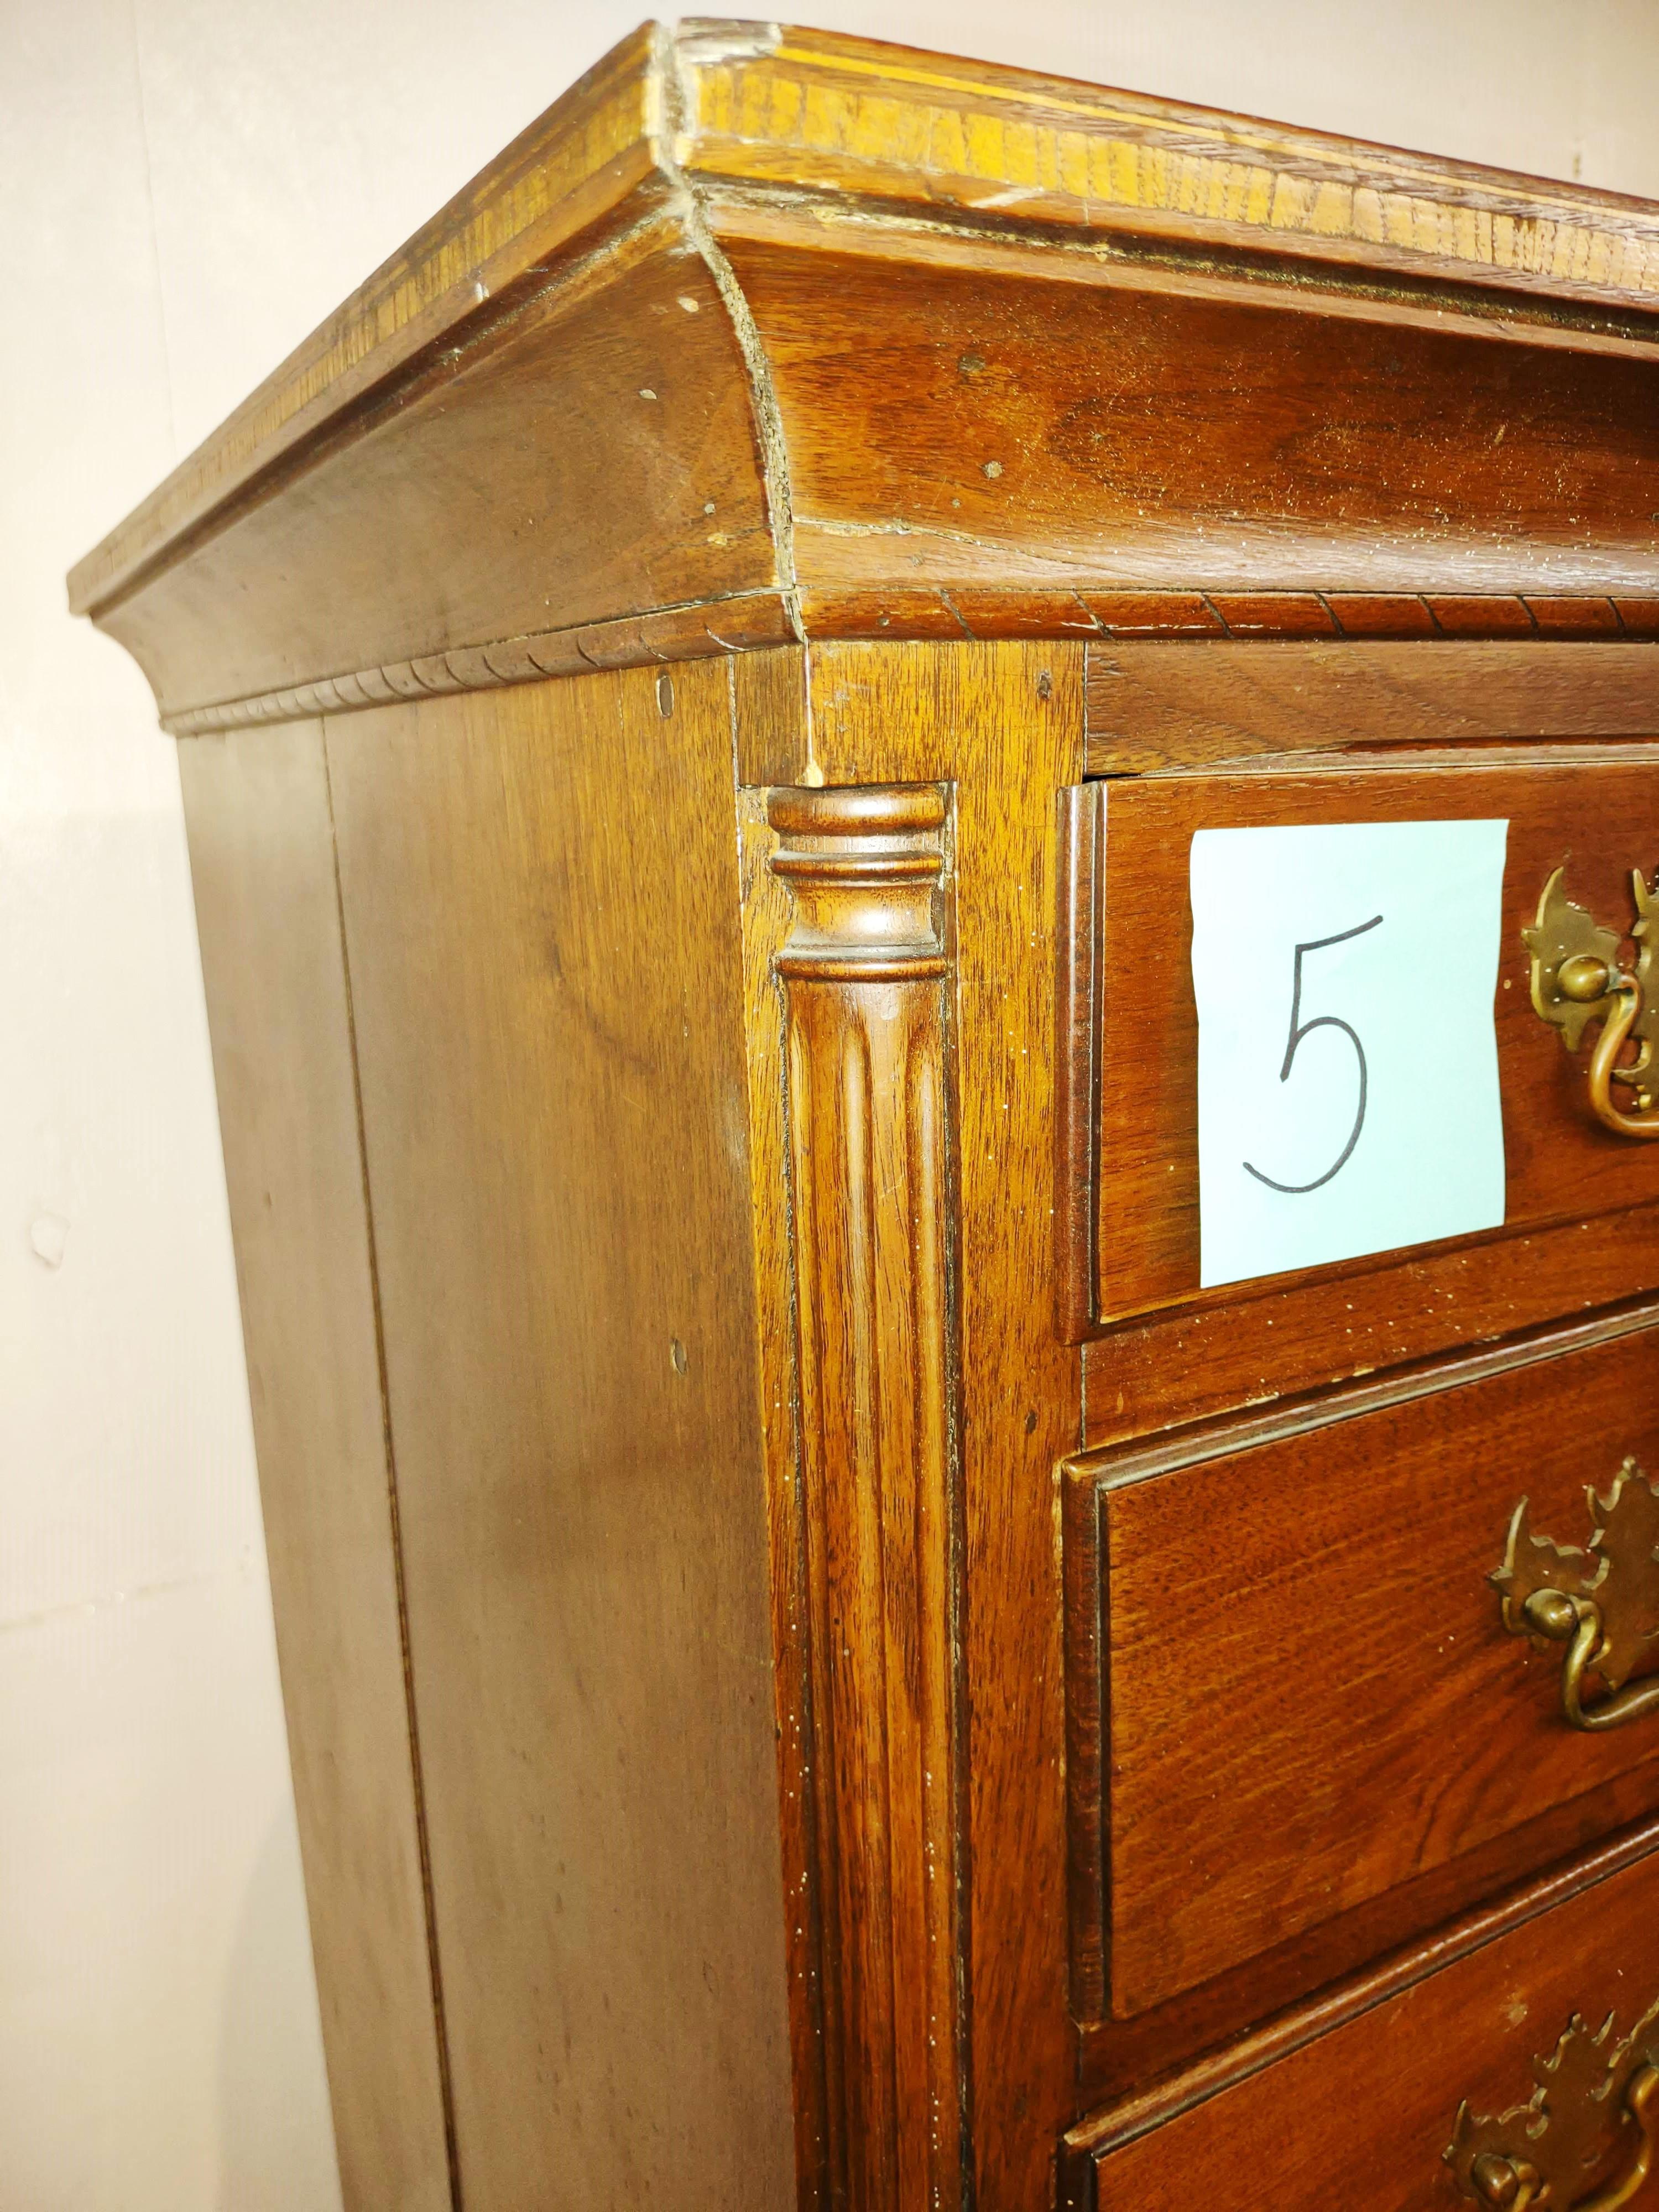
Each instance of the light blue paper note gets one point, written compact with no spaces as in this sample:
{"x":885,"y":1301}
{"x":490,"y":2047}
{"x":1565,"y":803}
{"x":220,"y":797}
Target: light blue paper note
{"x":1347,"y":1060}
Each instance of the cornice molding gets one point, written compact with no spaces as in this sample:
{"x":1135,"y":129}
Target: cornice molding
{"x":575,"y":164}
{"x":895,"y":124}
{"x":852,"y":119}
{"x":657,"y":303}
{"x":759,"y":620}
{"x":744,"y":624}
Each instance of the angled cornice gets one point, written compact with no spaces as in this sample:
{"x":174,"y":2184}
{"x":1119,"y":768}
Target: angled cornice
{"x":629,"y":377}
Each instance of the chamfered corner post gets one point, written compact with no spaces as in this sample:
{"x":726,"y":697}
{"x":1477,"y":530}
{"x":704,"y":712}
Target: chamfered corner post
{"x":865,"y":970}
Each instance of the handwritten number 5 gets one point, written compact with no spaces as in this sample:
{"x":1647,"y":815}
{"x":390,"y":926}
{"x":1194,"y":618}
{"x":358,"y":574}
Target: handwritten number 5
{"x":1298,"y":1030}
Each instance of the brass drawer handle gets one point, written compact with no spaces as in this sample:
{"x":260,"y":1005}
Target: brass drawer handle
{"x":1602,"y":1603}
{"x":1590,"y":2090}
{"x":1577,"y":978}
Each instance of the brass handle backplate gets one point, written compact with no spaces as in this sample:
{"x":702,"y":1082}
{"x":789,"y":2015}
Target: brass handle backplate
{"x":1602,"y":1602}
{"x":1577,"y":978}
{"x":1591,"y":2092}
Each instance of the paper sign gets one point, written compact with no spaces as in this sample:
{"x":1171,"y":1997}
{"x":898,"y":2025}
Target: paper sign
{"x":1347,"y":1061}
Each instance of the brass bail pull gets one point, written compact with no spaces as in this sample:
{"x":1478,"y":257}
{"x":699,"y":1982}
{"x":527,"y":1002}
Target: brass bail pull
{"x":1577,"y":978}
{"x":1602,"y":1602}
{"x":1538,"y":2153}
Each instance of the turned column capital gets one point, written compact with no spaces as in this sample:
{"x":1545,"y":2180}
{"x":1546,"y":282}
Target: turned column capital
{"x":865,"y":867}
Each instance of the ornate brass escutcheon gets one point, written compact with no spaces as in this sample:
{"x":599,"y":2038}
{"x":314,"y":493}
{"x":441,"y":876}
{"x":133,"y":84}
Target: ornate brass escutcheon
{"x":1591,"y":2092}
{"x":1602,"y":1603}
{"x":1577,"y":978}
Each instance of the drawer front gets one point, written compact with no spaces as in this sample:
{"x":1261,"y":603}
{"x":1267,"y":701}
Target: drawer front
{"x":1600,"y":818}
{"x":1360,"y":2116}
{"x":1291,"y":1693}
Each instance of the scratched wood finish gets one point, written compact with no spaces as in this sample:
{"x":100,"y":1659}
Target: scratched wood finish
{"x":540,"y":902}
{"x":815,"y":2058}
{"x":1150,"y":707}
{"x":1559,"y":1163}
{"x":1303,"y":1674}
{"x":975,"y":716}
{"x":1603,"y":696}
{"x":753,"y":98}
{"x":1129,"y":617}
{"x":1361,"y":2115}
{"x":262,"y":859}
{"x":747,"y":623}
{"x":1011,"y":716}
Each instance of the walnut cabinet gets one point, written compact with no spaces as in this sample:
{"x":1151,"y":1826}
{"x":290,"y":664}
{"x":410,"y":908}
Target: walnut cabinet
{"x":830,"y":1659}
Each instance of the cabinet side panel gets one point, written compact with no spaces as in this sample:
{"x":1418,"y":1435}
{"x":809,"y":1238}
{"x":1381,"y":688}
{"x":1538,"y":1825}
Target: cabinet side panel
{"x":262,"y":856}
{"x":540,"y":890}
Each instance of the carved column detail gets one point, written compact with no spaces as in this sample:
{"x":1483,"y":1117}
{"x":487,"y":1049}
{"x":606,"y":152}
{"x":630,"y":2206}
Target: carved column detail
{"x":865,"y":974}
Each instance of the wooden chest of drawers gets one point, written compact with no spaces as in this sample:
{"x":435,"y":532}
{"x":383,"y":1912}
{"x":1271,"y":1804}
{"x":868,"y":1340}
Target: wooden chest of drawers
{"x":832,"y":1652}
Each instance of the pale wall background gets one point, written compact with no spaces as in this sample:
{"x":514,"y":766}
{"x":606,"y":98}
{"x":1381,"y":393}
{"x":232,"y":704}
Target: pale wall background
{"x":186,"y":186}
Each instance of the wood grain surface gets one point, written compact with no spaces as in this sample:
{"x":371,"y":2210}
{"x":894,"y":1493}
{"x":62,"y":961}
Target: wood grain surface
{"x":262,"y":857}
{"x":1079,"y":1013}
{"x":869,"y":1079}
{"x":815,"y":110}
{"x":1309,"y":1693}
{"x":1294,"y":1334}
{"x":1152,"y":707}
{"x":805,"y":109}
{"x":1059,"y":610}
{"x":1002,"y":723}
{"x":1146,"y":725}
{"x":1003,"y":424}
{"x":447,"y":519}
{"x":1560,"y":1165}
{"x":817,"y":2058}
{"x":540,"y":896}
{"x":1362,"y":2114}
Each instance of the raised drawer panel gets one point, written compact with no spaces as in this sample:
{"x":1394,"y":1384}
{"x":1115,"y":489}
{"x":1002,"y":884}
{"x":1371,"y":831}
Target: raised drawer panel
{"x":1601,"y":816}
{"x":1292,"y":1690}
{"x":1360,"y":2116}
